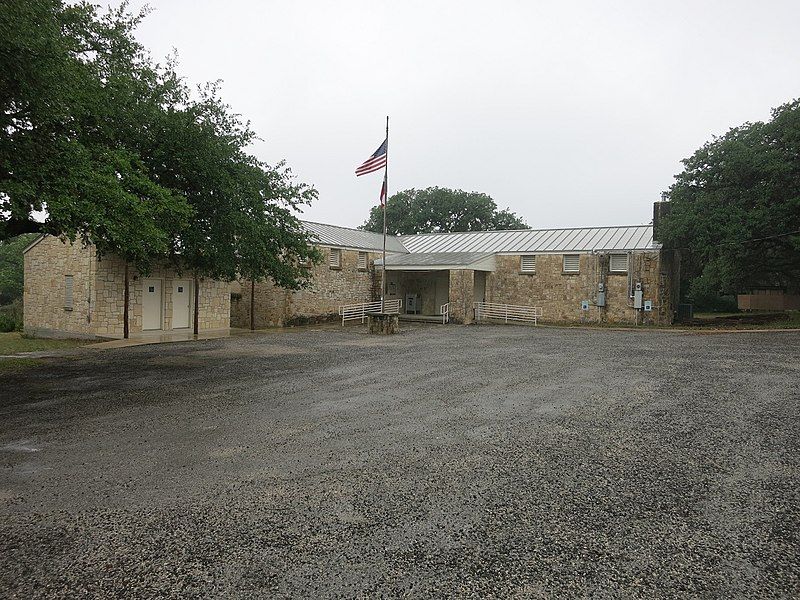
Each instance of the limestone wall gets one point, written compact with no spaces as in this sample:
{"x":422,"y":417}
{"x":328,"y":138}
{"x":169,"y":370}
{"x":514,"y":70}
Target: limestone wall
{"x":560,"y":294}
{"x":98,"y":293}
{"x":46,"y":266}
{"x":330,"y":288}
{"x":214,"y":298}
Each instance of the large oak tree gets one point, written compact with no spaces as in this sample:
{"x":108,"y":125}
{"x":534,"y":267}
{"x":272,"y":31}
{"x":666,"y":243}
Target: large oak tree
{"x":438,"y":209}
{"x":117,"y":151}
{"x":734,"y":211}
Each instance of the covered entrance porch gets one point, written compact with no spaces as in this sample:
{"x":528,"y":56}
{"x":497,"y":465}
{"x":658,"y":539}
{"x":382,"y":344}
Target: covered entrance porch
{"x":432,"y":283}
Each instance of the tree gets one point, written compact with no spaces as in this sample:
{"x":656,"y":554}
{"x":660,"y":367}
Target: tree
{"x":438,"y":209}
{"x":119,"y":153}
{"x":74,"y":87}
{"x":11,"y":267}
{"x":734,"y":211}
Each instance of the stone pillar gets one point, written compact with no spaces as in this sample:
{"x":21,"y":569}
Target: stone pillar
{"x":383,"y":323}
{"x":462,"y":291}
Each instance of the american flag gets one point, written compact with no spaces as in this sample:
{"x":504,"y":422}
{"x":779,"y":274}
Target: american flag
{"x":375,"y":162}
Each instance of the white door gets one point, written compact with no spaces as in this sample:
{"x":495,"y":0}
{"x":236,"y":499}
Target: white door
{"x":181,"y":303}
{"x":151,"y":304}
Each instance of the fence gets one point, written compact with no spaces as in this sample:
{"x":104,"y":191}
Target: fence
{"x":507,"y":312}
{"x":444,"y":310}
{"x":351,"y":312}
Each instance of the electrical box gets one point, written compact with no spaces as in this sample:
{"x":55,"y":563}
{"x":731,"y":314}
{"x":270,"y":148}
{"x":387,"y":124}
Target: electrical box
{"x":601,"y":298}
{"x":585,"y":305}
{"x":601,"y":287}
{"x":648,"y":305}
{"x":638,"y":286}
{"x":637,"y":299}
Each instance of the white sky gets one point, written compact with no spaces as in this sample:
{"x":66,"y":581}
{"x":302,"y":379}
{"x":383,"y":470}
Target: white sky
{"x":569,"y":113}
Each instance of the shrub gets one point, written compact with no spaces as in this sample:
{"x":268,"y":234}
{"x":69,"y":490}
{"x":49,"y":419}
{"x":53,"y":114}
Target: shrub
{"x":11,"y":317}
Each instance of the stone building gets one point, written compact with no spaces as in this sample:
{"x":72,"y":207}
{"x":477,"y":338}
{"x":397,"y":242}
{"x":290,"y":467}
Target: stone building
{"x":594,"y":274}
{"x":70,"y":292}
{"x":346,"y":275}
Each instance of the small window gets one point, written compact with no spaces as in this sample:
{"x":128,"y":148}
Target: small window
{"x":572,"y":263}
{"x":335,"y":259}
{"x":362,"y":261}
{"x":151,"y":289}
{"x":180,"y":289}
{"x":618,"y":263}
{"x":68,"y":287}
{"x":527,"y":264}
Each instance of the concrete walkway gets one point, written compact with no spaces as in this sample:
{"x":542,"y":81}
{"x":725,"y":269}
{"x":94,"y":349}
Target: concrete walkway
{"x":160,"y":337}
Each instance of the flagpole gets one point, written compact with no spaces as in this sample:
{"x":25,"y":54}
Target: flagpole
{"x":385,"y":202}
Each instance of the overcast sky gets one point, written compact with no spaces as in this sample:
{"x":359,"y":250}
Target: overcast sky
{"x":569,"y":113}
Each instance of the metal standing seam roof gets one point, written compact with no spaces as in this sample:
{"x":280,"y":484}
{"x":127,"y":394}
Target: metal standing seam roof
{"x":581,"y":239}
{"x":345,"y":237}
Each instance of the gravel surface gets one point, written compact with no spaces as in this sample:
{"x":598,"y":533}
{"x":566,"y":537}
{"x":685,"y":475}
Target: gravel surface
{"x":482,"y":461}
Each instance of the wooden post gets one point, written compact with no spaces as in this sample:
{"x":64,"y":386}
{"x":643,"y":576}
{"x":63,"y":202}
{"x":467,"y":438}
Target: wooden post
{"x":196,"y":305}
{"x":126,"y":299}
{"x":252,"y":304}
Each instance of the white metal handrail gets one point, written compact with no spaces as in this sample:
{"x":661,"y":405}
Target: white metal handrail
{"x":444,"y":310}
{"x":351,"y":312}
{"x":507,"y":312}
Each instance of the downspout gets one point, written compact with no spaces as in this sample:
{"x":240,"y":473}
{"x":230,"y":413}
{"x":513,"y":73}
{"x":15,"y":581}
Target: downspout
{"x":126,"y":296}
{"x":252,"y":304}
{"x":196,"y":304}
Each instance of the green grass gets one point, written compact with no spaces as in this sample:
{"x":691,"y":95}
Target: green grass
{"x":14,"y":365}
{"x":15,"y":343}
{"x":792,"y":321}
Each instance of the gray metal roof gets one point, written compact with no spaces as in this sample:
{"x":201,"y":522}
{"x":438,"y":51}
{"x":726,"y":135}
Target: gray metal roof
{"x":426,"y":259}
{"x":345,"y":237}
{"x":583,"y":239}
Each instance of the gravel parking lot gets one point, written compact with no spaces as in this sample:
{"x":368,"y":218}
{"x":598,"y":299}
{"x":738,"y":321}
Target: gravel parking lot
{"x":446,"y":461}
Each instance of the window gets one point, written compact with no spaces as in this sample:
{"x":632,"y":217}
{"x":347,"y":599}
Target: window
{"x":527,"y":264}
{"x":362,"y":261}
{"x":618,"y":263}
{"x":572,"y":263}
{"x":68,"y":286}
{"x":335,"y":259}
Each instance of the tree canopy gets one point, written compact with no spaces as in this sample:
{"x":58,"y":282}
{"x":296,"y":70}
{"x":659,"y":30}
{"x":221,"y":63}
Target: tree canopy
{"x":117,"y":151}
{"x":735,"y":209}
{"x":436,"y":209}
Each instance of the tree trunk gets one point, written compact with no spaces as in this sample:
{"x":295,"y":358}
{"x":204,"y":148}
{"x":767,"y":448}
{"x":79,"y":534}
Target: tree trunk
{"x":126,"y":300}
{"x":252,"y":304}
{"x":196,"y":305}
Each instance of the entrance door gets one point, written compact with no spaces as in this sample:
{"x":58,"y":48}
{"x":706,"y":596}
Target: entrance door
{"x":181,"y":303}
{"x":151,"y":304}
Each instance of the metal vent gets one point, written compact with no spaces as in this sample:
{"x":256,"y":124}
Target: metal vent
{"x":362,"y":261}
{"x":335,"y":259}
{"x":68,"y":287}
{"x":572,"y":263}
{"x":528,"y":263}
{"x":618,"y":263}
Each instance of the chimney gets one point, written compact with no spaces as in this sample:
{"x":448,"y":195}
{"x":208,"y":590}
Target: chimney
{"x":660,"y":210}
